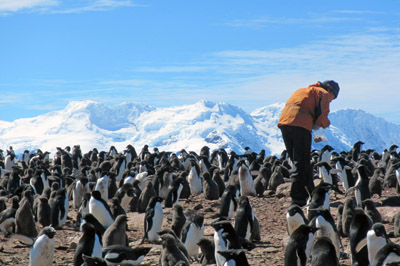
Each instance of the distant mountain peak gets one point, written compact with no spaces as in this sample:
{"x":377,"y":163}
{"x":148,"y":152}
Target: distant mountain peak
{"x":215,"y":124}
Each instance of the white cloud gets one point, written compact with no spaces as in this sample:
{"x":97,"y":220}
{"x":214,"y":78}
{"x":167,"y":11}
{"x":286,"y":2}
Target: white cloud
{"x":16,"y":5}
{"x":56,"y":6}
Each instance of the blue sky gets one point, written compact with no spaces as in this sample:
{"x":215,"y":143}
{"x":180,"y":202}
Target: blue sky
{"x":166,"y":53}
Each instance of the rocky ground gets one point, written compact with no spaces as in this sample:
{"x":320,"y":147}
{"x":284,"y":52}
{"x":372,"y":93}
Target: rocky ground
{"x":270,"y":211}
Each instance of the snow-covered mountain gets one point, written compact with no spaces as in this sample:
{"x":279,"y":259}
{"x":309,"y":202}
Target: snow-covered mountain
{"x":190,"y":127}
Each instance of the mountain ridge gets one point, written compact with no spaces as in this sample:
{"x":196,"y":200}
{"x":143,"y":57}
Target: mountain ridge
{"x":217,"y":125}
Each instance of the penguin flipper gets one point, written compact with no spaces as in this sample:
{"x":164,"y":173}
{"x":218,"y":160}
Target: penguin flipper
{"x":301,"y":255}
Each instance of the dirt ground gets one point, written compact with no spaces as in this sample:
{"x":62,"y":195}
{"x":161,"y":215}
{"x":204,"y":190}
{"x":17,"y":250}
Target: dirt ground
{"x":270,"y":211}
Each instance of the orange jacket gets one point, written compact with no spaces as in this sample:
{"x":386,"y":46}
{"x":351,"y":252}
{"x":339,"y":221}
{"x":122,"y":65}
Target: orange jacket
{"x":300,"y":108}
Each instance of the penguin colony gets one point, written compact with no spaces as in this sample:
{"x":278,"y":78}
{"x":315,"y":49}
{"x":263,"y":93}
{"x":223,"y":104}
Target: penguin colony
{"x":96,"y":193}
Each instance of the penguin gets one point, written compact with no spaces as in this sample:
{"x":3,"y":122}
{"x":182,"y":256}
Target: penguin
{"x":89,"y":244}
{"x":388,"y":255}
{"x":7,"y":217}
{"x":174,"y":192}
{"x":170,"y":254}
{"x":100,"y":209}
{"x":325,"y":154}
{"x":25,"y":224}
{"x":375,"y":183}
{"x":376,"y":239}
{"x":178,"y":241}
{"x":123,"y":255}
{"x":102,"y":186}
{"x":125,"y":195}
{"x":359,"y":228}
{"x":81,"y":187}
{"x":217,"y":179}
{"x":245,"y":180}
{"x":320,"y":198}
{"x":42,"y":251}
{"x":234,"y":257}
{"x":361,"y":188}
{"x":225,"y":238}
{"x":207,"y":251}
{"x":116,"y":208}
{"x":43,"y":212}
{"x":178,"y":219}
{"x":294,"y":218}
{"x":211,"y":190}
{"x":147,"y":193}
{"x":371,"y":211}
{"x":153,"y":219}
{"x":194,"y":179}
{"x":244,"y":219}
{"x":323,"y":253}
{"x":326,"y":171}
{"x":347,"y":215}
{"x":58,"y":210}
{"x":192,"y":232}
{"x":133,"y":204}
{"x":276,"y":178}
{"x":228,"y":202}
{"x":327,"y":228}
{"x":116,"y":233}
{"x":89,"y":218}
{"x":298,"y":249}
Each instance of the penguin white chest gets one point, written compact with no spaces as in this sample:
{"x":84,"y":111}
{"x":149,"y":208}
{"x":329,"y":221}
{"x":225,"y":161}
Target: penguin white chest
{"x":100,"y":212}
{"x":219,"y":243}
{"x":42,"y":251}
{"x":294,"y":222}
{"x":192,"y":238}
{"x":157,"y":222}
{"x":194,"y":182}
{"x":97,"y":249}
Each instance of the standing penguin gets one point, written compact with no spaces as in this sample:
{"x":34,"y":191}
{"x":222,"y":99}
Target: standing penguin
{"x":125,"y":195}
{"x":89,"y":244}
{"x":327,"y":228}
{"x":244,"y":219}
{"x":225,"y":238}
{"x":211,"y":190}
{"x":228,"y":202}
{"x":294,"y":218}
{"x":153,"y":219}
{"x":217,"y":179}
{"x":42,"y":251}
{"x":194,"y":179}
{"x":58,"y":210}
{"x":170,"y":254}
{"x":245,"y":180}
{"x":298,"y":250}
{"x":371,"y":211}
{"x":100,"y":209}
{"x":207,"y":251}
{"x":144,"y":198}
{"x":116,"y":233}
{"x":7,"y":217}
{"x":174,"y":192}
{"x":24,"y":221}
{"x":102,"y":186}
{"x":81,"y":187}
{"x":324,"y":253}
{"x":178,"y":219}
{"x":43,"y":212}
{"x":359,"y":228}
{"x":376,"y":239}
{"x":192,"y":232}
{"x":347,"y":215}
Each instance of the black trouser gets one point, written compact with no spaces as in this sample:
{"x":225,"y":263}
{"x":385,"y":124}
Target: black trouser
{"x":298,"y":145}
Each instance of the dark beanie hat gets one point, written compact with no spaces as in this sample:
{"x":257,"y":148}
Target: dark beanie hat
{"x":332,"y":85}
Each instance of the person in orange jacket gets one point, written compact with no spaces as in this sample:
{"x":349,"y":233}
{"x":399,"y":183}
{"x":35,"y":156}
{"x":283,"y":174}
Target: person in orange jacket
{"x":306,"y":109}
